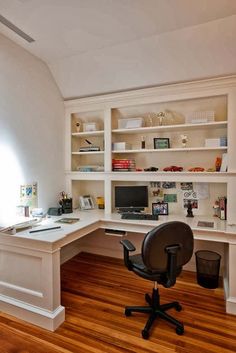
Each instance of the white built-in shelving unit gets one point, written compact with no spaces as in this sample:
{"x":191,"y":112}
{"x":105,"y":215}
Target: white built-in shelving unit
{"x":177,"y":101}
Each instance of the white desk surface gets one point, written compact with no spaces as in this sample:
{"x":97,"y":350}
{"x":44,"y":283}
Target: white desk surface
{"x":99,"y":219}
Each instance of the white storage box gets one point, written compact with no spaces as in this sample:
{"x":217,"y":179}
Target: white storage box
{"x":216,"y":142}
{"x":130,"y":123}
{"x":121,"y":146}
{"x":90,"y":127}
{"x":212,"y":142}
{"x":200,"y":117}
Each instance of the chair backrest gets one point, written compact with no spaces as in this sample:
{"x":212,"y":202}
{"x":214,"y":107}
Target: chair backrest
{"x":154,"y":254}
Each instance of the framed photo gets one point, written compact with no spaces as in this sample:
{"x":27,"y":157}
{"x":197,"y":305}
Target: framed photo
{"x":160,"y":208}
{"x":160,"y":143}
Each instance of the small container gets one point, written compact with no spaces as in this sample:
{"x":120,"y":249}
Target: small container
{"x":100,"y":202}
{"x":143,"y":144}
{"x":26,"y":211}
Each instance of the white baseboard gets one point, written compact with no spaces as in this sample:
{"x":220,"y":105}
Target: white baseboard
{"x":49,"y":320}
{"x":231,"y":305}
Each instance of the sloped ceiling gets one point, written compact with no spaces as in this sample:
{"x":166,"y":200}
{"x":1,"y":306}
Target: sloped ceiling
{"x":94,"y":46}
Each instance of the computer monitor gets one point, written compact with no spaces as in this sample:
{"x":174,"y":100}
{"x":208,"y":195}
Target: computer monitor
{"x":131,"y":198}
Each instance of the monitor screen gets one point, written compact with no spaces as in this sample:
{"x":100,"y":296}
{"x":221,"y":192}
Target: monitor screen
{"x":131,"y":197}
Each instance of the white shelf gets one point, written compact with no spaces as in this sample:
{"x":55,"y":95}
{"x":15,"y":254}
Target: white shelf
{"x":185,"y":176}
{"x":87,"y":152}
{"x":217,"y":177}
{"x":176,"y":127}
{"x":88,"y":133}
{"x":86,"y":175}
{"x":181,"y":149}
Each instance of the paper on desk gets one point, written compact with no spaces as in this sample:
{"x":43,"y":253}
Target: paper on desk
{"x":202,"y":190}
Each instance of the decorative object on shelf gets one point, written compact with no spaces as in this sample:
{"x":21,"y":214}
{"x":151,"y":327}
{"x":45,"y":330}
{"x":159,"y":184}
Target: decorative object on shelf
{"x":161,"y":142}
{"x":220,"y":208}
{"x":121,"y":146}
{"x":216,"y":209}
{"x":151,"y":169}
{"x":200,"y":117}
{"x":173,"y":168}
{"x":161,"y":116}
{"x":86,"y":202}
{"x":150,"y":120}
{"x":211,"y":170}
{"x":87,"y":127}
{"x":77,"y":126}
{"x":218,"y":162}
{"x":100,"y":202}
{"x":196,"y":169}
{"x":223,"y":207}
{"x":160,"y":208}
{"x":189,"y":209}
{"x":184,"y":140}
{"x":130,"y":123}
{"x":143,"y":142}
{"x":89,"y":148}
{"x":224,"y":163}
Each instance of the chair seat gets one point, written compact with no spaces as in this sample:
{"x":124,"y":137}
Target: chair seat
{"x":140,"y":269}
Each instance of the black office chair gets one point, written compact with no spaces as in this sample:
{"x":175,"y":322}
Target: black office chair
{"x":165,"y":249}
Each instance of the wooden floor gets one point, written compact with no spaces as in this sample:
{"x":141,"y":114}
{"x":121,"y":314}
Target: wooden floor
{"x":94,"y":292}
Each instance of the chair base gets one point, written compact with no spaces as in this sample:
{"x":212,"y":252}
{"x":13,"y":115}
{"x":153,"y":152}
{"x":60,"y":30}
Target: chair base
{"x":156,"y":311}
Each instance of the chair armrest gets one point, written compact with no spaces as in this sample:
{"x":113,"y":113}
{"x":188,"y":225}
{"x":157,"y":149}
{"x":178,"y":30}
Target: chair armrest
{"x":128,"y":247}
{"x":172,"y":251}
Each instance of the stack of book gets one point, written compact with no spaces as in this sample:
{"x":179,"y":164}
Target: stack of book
{"x":89,"y":148}
{"x":123,"y":165}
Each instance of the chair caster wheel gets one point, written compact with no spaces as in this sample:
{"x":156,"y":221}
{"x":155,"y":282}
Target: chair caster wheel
{"x":178,"y":307}
{"x":179,"y":330}
{"x":127,"y":312}
{"x":145,"y":334}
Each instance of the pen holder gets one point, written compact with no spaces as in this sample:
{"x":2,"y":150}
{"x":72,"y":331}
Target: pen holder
{"x":66,"y":205}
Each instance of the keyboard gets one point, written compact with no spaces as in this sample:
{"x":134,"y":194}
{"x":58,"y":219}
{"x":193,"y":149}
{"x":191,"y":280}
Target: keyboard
{"x":137,"y":215}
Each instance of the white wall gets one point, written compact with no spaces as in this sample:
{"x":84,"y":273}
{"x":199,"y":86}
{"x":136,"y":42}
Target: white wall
{"x":190,"y":53}
{"x":31,"y":128}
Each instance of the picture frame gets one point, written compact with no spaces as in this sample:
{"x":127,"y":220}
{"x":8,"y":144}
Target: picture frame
{"x":160,"y":208}
{"x":161,"y":142}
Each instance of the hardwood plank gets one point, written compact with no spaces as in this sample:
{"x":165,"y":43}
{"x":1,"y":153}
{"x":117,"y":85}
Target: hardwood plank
{"x":95,"y":290}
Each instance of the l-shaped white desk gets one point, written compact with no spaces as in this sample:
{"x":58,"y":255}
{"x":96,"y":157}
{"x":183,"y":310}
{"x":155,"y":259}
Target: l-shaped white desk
{"x":30,"y":262}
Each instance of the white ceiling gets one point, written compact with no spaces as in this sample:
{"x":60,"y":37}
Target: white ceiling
{"x":63,"y":29}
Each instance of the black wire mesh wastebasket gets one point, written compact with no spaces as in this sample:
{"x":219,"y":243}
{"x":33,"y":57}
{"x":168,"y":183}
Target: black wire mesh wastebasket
{"x":208,"y":268}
